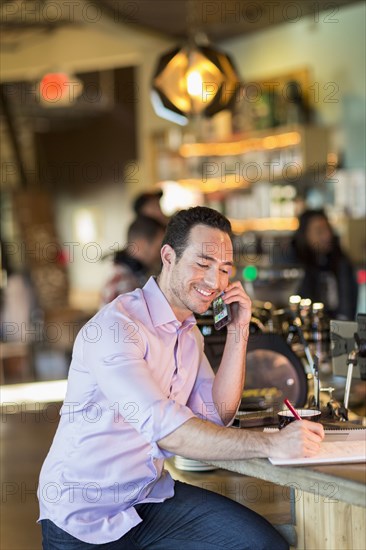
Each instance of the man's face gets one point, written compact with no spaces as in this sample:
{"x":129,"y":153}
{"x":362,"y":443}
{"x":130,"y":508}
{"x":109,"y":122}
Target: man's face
{"x":203,"y":270}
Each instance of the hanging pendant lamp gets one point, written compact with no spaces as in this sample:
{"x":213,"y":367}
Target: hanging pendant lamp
{"x":193,"y":80}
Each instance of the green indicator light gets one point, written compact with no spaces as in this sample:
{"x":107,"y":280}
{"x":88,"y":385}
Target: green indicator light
{"x":250,"y":273}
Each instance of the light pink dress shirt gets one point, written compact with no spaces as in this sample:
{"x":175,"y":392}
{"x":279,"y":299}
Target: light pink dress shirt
{"x":136,"y":375}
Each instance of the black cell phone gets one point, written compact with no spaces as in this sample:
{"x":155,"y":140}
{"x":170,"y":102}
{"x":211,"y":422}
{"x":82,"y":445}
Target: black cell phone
{"x":221,"y":313}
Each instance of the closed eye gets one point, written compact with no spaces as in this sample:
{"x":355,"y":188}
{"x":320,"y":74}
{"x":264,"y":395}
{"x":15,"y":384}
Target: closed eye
{"x":202,"y":265}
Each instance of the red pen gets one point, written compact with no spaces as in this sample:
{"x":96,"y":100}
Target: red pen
{"x":290,"y":407}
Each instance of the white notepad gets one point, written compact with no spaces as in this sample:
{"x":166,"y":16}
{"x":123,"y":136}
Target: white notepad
{"x":350,"y":447}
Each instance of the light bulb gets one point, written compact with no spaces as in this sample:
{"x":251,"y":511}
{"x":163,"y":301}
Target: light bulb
{"x":194,"y":83}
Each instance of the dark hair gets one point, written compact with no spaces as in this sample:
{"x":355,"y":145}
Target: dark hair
{"x":145,"y":228}
{"x":180,"y":225}
{"x":142,"y":199}
{"x":304,"y":252}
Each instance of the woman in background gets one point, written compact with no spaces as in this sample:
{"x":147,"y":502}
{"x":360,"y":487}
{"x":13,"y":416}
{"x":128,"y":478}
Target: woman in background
{"x":328,"y":273}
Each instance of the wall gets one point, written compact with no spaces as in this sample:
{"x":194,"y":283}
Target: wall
{"x":334,"y":50}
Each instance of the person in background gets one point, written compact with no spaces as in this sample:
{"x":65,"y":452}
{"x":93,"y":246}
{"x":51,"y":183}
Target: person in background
{"x":328,"y":273}
{"x":134,"y":264}
{"x":140,"y":389}
{"x":148,"y":204}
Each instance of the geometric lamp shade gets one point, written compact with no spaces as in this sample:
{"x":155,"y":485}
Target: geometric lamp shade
{"x":193,"y":80}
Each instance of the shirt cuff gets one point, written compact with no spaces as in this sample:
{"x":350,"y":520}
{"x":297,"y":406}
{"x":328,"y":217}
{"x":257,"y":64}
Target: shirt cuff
{"x":169,"y":416}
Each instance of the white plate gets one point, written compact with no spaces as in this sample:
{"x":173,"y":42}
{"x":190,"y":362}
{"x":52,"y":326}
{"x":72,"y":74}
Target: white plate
{"x":190,"y":465}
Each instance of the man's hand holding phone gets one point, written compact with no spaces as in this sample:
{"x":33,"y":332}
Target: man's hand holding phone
{"x":232,"y":306}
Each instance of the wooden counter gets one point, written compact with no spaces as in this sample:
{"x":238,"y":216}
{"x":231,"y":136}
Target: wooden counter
{"x":329,"y":501}
{"x":336,"y":482}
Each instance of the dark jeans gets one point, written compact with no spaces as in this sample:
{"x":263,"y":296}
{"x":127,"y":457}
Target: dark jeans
{"x":194,"y":519}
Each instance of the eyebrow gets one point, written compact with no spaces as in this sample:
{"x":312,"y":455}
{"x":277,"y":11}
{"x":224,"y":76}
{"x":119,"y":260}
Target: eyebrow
{"x":211,"y":259}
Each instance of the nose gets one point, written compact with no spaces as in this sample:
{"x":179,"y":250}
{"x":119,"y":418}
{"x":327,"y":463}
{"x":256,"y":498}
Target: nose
{"x":212,"y":278}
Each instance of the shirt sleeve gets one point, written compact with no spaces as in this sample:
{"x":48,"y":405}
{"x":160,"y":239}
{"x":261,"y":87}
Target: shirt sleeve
{"x":114,"y":350}
{"x":201,"y":401}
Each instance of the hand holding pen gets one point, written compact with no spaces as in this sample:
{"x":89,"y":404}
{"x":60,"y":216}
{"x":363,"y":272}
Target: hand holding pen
{"x":290,"y":407}
{"x":298,"y":439}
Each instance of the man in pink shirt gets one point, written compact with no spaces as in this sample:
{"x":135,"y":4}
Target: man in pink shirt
{"x":140,"y":389}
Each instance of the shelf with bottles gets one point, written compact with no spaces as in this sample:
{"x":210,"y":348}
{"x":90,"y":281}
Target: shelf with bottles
{"x":266,"y":207}
{"x":282,"y":154}
{"x":264,"y":224}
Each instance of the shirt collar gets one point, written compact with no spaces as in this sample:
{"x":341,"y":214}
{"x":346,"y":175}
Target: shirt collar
{"x":159,"y":308}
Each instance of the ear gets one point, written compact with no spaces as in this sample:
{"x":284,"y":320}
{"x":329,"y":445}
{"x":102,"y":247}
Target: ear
{"x":167,"y":256}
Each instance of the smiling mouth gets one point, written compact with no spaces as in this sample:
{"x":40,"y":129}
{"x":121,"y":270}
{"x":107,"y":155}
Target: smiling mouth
{"x":205,"y":293}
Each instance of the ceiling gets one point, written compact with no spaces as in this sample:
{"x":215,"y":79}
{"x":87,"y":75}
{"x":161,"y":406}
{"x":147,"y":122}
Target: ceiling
{"x":218,"y":19}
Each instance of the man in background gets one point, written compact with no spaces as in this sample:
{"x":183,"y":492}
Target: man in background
{"x":148,"y":204}
{"x":134,"y":264}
